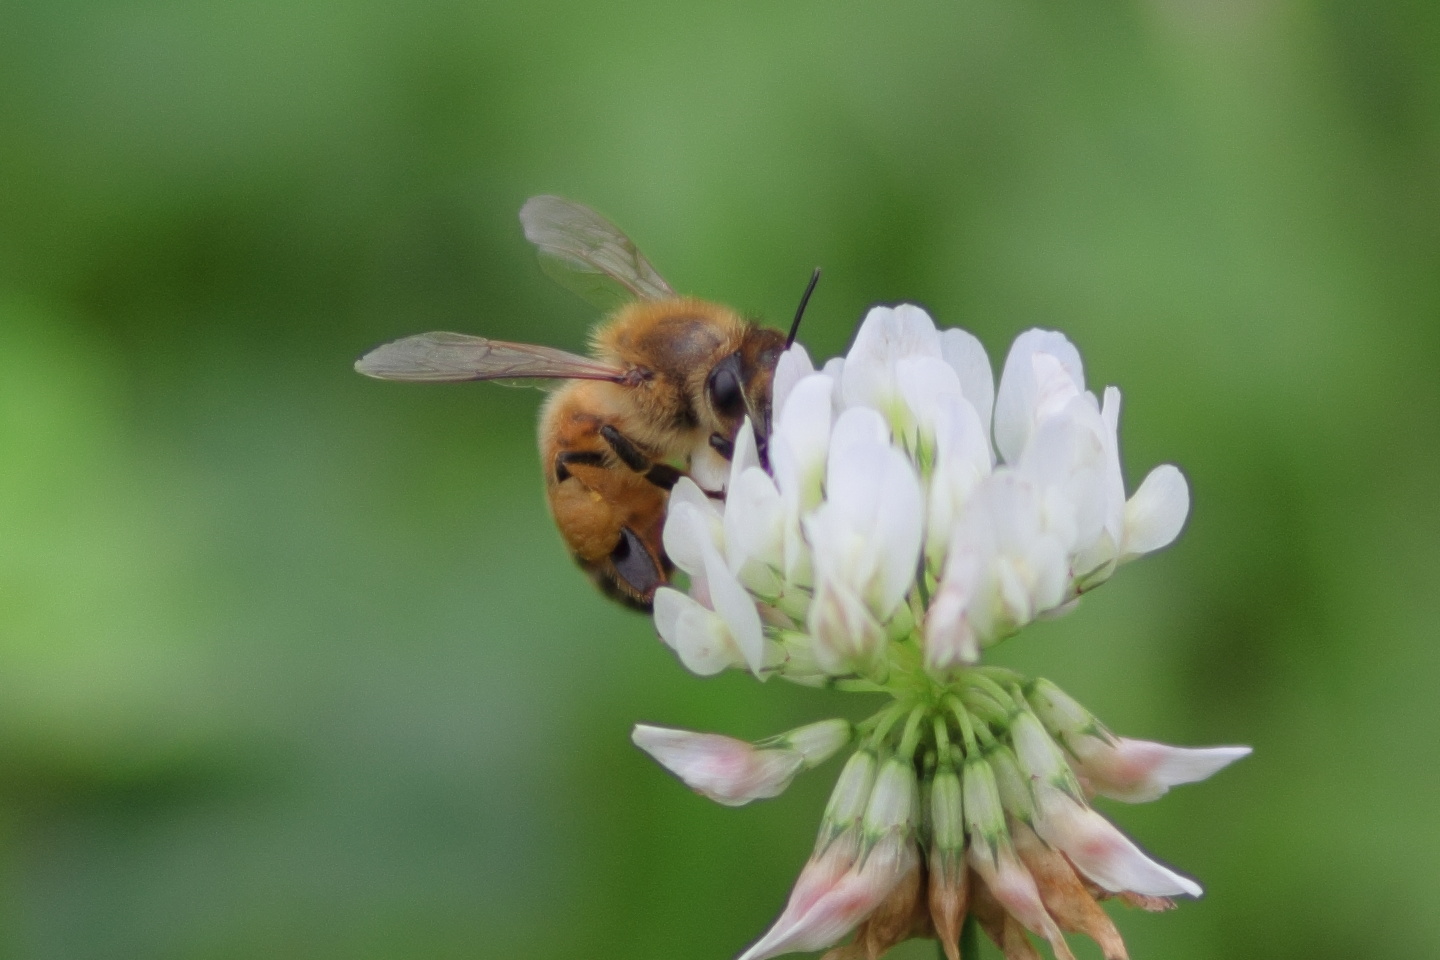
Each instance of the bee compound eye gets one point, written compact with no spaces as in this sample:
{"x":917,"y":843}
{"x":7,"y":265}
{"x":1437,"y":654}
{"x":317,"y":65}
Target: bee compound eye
{"x":634,"y":565}
{"x":726,"y":394}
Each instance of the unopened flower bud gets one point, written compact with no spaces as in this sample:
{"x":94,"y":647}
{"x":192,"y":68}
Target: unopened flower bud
{"x":1014,"y":787}
{"x":984,"y":815}
{"x":850,"y":797}
{"x":1063,"y":715}
{"x":949,"y":876}
{"x":818,"y":742}
{"x":1039,"y":757}
{"x":893,"y":806}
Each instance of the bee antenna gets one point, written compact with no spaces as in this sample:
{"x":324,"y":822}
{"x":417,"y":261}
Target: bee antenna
{"x":800,"y":310}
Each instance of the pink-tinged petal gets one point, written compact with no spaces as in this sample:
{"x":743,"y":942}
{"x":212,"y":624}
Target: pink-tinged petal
{"x":1157,"y":511}
{"x":820,"y":875}
{"x":845,"y":905}
{"x":1100,"y":851}
{"x":1019,"y":393}
{"x":794,"y":365}
{"x":950,"y":640}
{"x":728,"y":771}
{"x":1137,"y":771}
{"x":968,"y":358}
{"x":1013,"y":886}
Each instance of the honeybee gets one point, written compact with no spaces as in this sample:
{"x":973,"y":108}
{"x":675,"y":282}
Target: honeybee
{"x":668,"y":386}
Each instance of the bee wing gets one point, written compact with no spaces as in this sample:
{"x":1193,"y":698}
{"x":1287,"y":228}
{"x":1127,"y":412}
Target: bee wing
{"x":446,"y":357}
{"x":588,"y":254}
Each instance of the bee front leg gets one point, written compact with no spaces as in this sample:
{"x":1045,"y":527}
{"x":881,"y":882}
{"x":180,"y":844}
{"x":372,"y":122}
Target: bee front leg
{"x":662,"y":475}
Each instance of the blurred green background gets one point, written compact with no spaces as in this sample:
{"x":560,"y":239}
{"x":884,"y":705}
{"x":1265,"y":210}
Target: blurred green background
{"x":292,"y":663}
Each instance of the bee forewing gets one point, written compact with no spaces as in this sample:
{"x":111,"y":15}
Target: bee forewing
{"x":441,"y":357}
{"x":588,"y":254}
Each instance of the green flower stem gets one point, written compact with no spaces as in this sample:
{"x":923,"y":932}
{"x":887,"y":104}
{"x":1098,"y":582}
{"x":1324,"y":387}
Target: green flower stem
{"x":967,"y":727}
{"x":911,"y":738}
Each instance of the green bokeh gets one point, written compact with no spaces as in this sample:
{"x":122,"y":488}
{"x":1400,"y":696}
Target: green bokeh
{"x":292,"y":663}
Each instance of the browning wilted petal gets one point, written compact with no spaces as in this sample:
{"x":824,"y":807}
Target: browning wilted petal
{"x":1065,"y":897}
{"x":949,"y":898}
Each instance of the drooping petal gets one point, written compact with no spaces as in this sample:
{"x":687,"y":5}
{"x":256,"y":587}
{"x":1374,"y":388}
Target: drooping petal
{"x":841,"y":908}
{"x":1156,"y":512}
{"x":1064,"y":896}
{"x":1137,"y":771}
{"x":728,"y":771}
{"x":1014,"y":888}
{"x":1101,"y":851}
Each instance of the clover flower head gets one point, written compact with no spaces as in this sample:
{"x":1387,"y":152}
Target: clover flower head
{"x":881,"y":546}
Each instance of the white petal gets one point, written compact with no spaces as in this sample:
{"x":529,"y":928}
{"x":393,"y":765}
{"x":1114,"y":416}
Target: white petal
{"x":688,"y":529}
{"x":755,"y":531}
{"x":857,"y":425}
{"x":669,"y":605}
{"x":801,"y":441}
{"x":967,"y":356}
{"x":746,"y":453}
{"x":736,"y":608}
{"x":708,"y":468}
{"x":886,"y":336}
{"x":1018,"y":396}
{"x":794,"y":365}
{"x":898,"y":532}
{"x":923,"y":382}
{"x":1155,"y":514}
{"x":695,"y":633}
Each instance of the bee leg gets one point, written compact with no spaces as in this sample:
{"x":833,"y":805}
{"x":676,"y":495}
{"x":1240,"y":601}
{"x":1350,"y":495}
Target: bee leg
{"x":726,"y":448}
{"x":628,"y":453}
{"x":662,"y":475}
{"x":587,"y":458}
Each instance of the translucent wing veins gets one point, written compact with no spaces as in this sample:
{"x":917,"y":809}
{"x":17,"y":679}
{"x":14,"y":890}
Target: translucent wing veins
{"x":582,"y":249}
{"x":443,"y":357}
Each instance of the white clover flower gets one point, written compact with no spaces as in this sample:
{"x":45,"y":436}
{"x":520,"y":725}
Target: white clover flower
{"x":884,"y":546}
